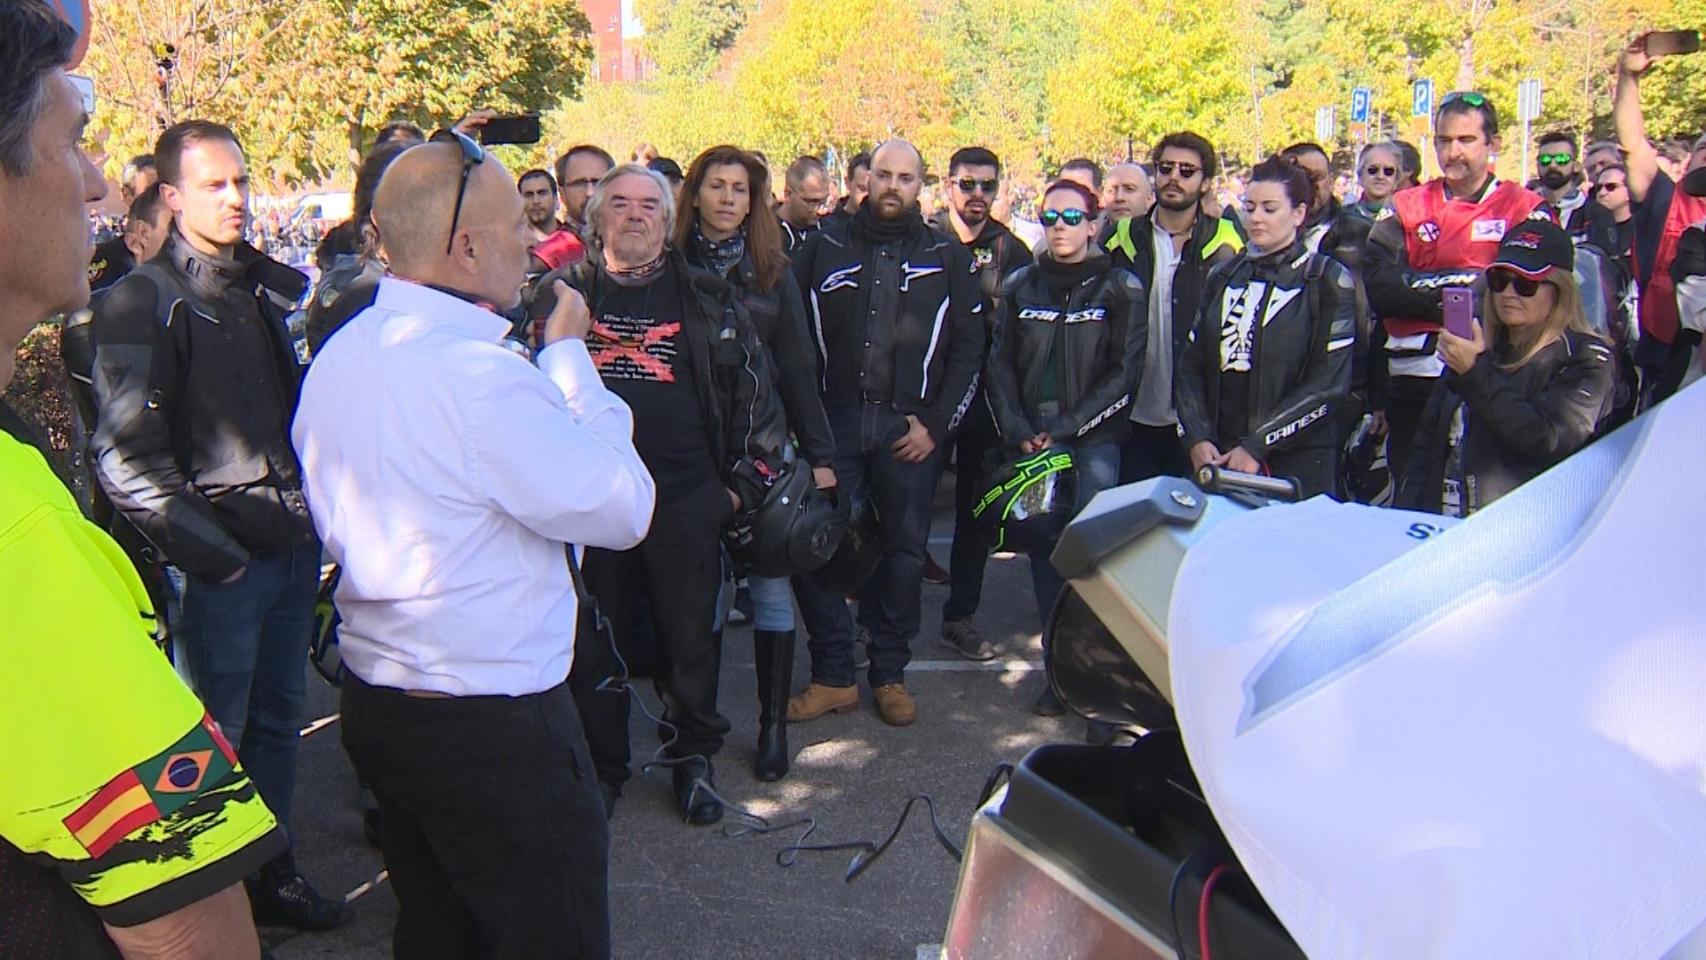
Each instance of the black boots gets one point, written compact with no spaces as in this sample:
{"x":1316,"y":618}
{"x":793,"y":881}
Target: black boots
{"x":278,"y":896}
{"x":698,"y":807}
{"x":774,"y":652}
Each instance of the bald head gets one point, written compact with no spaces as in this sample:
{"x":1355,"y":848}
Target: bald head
{"x":897,"y":177}
{"x":1126,"y":191}
{"x":896,"y":153}
{"x":413,"y":209}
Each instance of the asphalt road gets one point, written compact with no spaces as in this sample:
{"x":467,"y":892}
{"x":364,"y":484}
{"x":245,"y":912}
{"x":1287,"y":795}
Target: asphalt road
{"x":690,"y":892}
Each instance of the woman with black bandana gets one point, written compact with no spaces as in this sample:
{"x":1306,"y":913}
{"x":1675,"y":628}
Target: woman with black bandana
{"x":725,"y":230}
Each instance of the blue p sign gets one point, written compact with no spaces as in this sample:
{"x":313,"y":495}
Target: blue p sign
{"x":1422,"y":98}
{"x":1359,"y":105}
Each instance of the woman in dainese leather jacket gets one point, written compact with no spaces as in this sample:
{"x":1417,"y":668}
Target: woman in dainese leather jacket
{"x":1067,"y":351}
{"x":1269,"y":362}
{"x":1528,"y":390}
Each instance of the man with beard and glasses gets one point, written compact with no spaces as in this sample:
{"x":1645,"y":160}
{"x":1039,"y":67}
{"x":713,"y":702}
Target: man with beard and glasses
{"x":804,"y":192}
{"x":1561,"y":177}
{"x":974,"y":180}
{"x":1171,"y":249}
{"x":897,"y":317}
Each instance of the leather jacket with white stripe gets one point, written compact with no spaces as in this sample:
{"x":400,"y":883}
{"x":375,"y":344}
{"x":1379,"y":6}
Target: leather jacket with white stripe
{"x":1304,"y":337}
{"x":918,"y":294}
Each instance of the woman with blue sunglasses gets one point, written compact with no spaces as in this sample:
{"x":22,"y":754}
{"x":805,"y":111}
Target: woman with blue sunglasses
{"x":1070,"y":334}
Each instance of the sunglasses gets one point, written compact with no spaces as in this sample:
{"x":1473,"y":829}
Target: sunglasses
{"x":1609,"y":186}
{"x":1071,"y":216}
{"x":1378,"y":171}
{"x":472,"y":156}
{"x":1499,"y":281}
{"x":973,"y":185}
{"x":1186,"y":170}
{"x":1467,"y":96}
{"x":1555,"y":159}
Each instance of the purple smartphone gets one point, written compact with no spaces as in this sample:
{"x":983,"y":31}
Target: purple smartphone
{"x":1460,"y":312}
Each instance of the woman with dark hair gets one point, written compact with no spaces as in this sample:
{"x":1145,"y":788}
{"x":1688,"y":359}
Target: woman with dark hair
{"x":728,"y":225}
{"x":350,"y":252}
{"x":1269,"y":361}
{"x":1064,"y":361}
{"x":1527,"y":390}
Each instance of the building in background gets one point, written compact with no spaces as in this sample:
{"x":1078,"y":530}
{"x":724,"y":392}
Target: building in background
{"x":615,"y":48}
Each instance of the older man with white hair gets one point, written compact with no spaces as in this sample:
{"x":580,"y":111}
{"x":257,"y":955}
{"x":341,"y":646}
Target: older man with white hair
{"x":675,"y":344}
{"x":445,"y":474}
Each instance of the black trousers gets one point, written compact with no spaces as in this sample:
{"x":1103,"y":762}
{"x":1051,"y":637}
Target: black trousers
{"x":492,"y":827}
{"x":976,"y":442}
{"x":680,"y":563}
{"x":1153,"y":452}
{"x":1407,"y":402}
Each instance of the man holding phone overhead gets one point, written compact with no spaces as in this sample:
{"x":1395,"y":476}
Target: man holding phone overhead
{"x":1662,"y":212}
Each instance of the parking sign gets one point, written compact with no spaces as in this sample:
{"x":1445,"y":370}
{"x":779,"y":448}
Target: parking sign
{"x":1359,"y":104}
{"x":1422,"y":98}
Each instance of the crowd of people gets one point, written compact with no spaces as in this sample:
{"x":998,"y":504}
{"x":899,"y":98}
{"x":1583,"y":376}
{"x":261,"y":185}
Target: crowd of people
{"x":720,"y":388}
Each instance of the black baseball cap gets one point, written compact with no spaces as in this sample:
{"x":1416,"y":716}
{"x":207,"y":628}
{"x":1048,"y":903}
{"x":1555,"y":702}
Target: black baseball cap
{"x":1533,"y":247}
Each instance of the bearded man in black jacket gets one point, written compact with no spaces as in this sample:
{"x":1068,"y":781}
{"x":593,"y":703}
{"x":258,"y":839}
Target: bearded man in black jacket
{"x":897,"y":316}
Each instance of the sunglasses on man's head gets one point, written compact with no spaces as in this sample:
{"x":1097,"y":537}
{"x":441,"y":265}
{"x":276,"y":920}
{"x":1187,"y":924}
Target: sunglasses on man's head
{"x":1072,"y":217}
{"x":1499,"y":281}
{"x":974,"y":185}
{"x":1374,"y":170}
{"x":1555,"y":159}
{"x":472,"y":156}
{"x":1185,"y":170}
{"x":1467,"y":96}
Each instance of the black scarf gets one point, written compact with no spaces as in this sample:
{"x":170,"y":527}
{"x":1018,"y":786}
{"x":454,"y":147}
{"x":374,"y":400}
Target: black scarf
{"x":1065,"y":277}
{"x":718,"y":256}
{"x":873,"y":229}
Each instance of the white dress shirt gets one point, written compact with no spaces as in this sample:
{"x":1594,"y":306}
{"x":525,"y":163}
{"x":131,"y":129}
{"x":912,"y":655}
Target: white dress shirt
{"x":445,"y":473}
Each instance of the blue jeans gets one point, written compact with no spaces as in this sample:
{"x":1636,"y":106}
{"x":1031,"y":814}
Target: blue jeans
{"x":772,"y":603}
{"x":1098,"y":469}
{"x":889,"y":602}
{"x":242,"y":647}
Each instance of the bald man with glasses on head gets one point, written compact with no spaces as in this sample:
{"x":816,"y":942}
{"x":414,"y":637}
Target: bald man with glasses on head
{"x":445,"y":474}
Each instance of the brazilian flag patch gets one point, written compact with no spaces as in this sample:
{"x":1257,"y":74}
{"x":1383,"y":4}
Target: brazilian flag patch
{"x":154,"y":789}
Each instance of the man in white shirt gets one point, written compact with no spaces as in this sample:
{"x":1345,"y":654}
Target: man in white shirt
{"x":445,"y":474}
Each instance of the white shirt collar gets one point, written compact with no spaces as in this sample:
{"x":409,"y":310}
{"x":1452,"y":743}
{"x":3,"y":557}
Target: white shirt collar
{"x":407,"y":296}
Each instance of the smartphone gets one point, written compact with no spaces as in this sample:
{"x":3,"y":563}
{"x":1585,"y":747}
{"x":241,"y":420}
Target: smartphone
{"x":1460,"y":312}
{"x":522,"y":128}
{"x":1669,"y":43}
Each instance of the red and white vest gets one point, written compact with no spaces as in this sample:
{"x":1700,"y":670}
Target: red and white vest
{"x":1658,"y":297}
{"x":1445,"y":234}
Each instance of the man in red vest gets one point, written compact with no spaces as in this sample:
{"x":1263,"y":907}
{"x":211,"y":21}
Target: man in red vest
{"x":1440,"y":234}
{"x":1662,"y":213}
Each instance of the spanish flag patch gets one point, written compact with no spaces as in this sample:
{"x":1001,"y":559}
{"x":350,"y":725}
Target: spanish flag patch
{"x":153,"y":789}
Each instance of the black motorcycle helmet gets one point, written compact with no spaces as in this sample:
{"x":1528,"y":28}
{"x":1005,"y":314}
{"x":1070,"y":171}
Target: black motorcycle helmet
{"x":1028,"y":501}
{"x":861,"y":547}
{"x":1367,"y":477}
{"x":796,"y":528}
